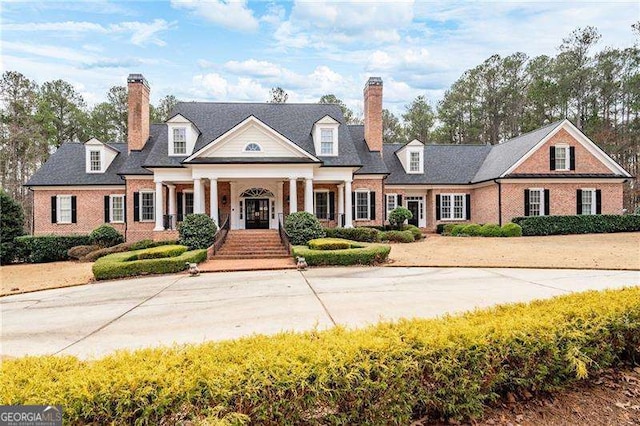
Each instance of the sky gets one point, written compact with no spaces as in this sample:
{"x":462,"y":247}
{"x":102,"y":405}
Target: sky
{"x":238,"y":50}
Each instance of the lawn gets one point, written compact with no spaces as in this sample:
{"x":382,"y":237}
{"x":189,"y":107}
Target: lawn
{"x":588,"y":251}
{"x":31,"y":277}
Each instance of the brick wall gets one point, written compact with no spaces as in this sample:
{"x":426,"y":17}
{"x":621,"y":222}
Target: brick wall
{"x":432,"y":206}
{"x":372,"y":185}
{"x":89,"y":211}
{"x":138,"y":230}
{"x":484,"y":204}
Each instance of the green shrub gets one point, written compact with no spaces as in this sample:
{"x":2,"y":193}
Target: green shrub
{"x":143,"y":244}
{"x":511,"y":230}
{"x":415,"y":231}
{"x":329,"y":244}
{"x":97,"y":254}
{"x":142,"y":262}
{"x":369,"y":254}
{"x":457,"y":230}
{"x":105,"y":236}
{"x":11,"y":226}
{"x":491,"y":230}
{"x":398,"y":216}
{"x":49,"y":248}
{"x":582,"y":224}
{"x":472,"y":230}
{"x":197,"y":231}
{"x":390,"y":373}
{"x":398,"y":236}
{"x":302,"y":227}
{"x":362,"y":233}
{"x":78,"y":252}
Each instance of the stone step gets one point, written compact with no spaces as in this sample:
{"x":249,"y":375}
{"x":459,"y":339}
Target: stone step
{"x":258,"y":256}
{"x":252,"y":252}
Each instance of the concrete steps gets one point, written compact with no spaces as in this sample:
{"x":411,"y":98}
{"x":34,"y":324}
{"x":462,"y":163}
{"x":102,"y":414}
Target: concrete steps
{"x":252,"y":244}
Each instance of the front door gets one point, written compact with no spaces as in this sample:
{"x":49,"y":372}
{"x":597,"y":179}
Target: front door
{"x":257,"y":213}
{"x":414,"y":208}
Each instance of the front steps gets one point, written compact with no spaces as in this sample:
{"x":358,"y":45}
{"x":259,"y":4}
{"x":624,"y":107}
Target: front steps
{"x":252,"y":244}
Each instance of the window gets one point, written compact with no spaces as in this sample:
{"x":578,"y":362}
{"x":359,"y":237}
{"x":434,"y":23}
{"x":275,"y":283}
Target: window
{"x":95,"y":161}
{"x":562,"y":157}
{"x":321,"y":201}
{"x":64,"y":209}
{"x":392,"y":202}
{"x":536,"y":202}
{"x":326,"y":142}
{"x":414,"y":161}
{"x":252,"y":147}
{"x":147,"y":211}
{"x":453,"y":207}
{"x":180,"y":140}
{"x":362,"y":205}
{"x":116,"y":209}
{"x":188,"y":203}
{"x":588,"y":201}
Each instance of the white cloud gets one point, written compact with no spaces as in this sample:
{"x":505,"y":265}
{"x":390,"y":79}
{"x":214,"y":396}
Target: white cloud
{"x":143,"y":32}
{"x":231,"y":14}
{"x":254,"y":68}
{"x":68,"y":26}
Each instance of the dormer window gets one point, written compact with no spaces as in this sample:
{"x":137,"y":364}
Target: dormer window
{"x":180,"y":140}
{"x":414,"y":161}
{"x":326,"y":141}
{"x":252,"y":147}
{"x":95,"y":161}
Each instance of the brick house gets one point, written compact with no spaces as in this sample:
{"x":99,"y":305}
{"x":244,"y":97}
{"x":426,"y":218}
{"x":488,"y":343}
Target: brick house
{"x":254,"y":163}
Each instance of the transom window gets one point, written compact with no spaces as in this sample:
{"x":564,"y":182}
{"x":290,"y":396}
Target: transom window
{"x":452,"y":206}
{"x":326,"y":141}
{"x":562,"y":157}
{"x":180,"y":140}
{"x":64,"y":209}
{"x":414,"y":161}
{"x":147,"y":211}
{"x":588,"y":201}
{"x":256,"y":193}
{"x":95,"y":161}
{"x":117,"y":208}
{"x":392,"y":202}
{"x":321,"y":202}
{"x":536,"y":202}
{"x":252,"y":147}
{"x":362,"y":205}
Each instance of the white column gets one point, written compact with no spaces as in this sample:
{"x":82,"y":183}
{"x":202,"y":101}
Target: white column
{"x":340,"y":203}
{"x":308,"y":195}
{"x":348,"y":219}
{"x":293,"y":195}
{"x":203,"y":205}
{"x":198,"y":207}
{"x":172,"y":205}
{"x":279,"y":201}
{"x":159,"y":207}
{"x":213,"y":200}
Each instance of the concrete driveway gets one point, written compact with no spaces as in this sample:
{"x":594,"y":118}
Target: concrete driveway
{"x":99,"y":318}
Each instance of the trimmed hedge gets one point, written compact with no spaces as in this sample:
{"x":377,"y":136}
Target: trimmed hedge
{"x":399,"y":216}
{"x":78,"y":252}
{"x":444,"y":228}
{"x":197,"y":231}
{"x":415,"y":231}
{"x":398,"y":236}
{"x":491,"y":230}
{"x":581,"y":224}
{"x":143,"y":244}
{"x":48,"y":248}
{"x":368,"y":254}
{"x":390,"y":373}
{"x":361,"y":234}
{"x":486,"y":230}
{"x":472,"y":230}
{"x":302,"y":227}
{"x":330,"y":244}
{"x":105,"y":236}
{"x":142,"y":262}
{"x":511,"y":230}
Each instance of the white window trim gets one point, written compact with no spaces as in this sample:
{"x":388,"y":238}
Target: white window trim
{"x":334,"y":131}
{"x":59,"y":209}
{"x":451,"y":206}
{"x":316,"y":191}
{"x":184,"y":202}
{"x":386,"y":202}
{"x":420,"y":153}
{"x":100,"y":170}
{"x":567,"y":153}
{"x":140,"y":206}
{"x":593,"y":200}
{"x":368,"y":204}
{"x":111,"y":197}
{"x":542,"y":205}
{"x":172,"y":152}
{"x":244,"y":150}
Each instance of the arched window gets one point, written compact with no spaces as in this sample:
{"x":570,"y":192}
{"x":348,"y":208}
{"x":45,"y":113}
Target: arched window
{"x":256,"y":193}
{"x":252,"y":147}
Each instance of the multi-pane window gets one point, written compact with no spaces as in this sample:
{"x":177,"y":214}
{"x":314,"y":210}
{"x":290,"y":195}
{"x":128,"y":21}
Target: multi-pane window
{"x":326,"y":142}
{"x":252,"y":147}
{"x":117,"y":208}
{"x":392,"y":202}
{"x":94,"y":160}
{"x":414,"y":161}
{"x":588,"y":201}
{"x":147,"y":211}
{"x":64,"y":209}
{"x":188,"y":203}
{"x":322,"y":204}
{"x":536,"y":207}
{"x":362,"y":205}
{"x":180,"y":140}
{"x":562,"y":157}
{"x":452,"y":206}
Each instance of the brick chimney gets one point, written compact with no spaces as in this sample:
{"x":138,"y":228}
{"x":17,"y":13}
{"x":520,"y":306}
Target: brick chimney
{"x":373,"y":113}
{"x":138,"y":104}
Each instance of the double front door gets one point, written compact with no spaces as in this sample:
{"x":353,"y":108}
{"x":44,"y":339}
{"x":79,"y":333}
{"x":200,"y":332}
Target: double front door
{"x":256,"y":213}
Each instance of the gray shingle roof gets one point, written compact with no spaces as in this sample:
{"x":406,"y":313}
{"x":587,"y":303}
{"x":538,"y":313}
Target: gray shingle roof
{"x":67,"y":166}
{"x":372,"y":162}
{"x":134,"y":162}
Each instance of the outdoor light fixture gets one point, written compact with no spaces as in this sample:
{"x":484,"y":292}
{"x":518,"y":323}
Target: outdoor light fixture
{"x":224,"y":200}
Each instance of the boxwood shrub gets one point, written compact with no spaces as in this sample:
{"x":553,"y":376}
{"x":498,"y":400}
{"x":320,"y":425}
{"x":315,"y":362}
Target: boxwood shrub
{"x":491,"y":230}
{"x":415,"y":231}
{"x":486,"y":230}
{"x":142,"y":262}
{"x":48,"y":248}
{"x":398,"y":236}
{"x":511,"y":230}
{"x":302,"y":227}
{"x":390,"y":373}
{"x":143,"y":244}
{"x":358,"y":254}
{"x":362,"y":234}
{"x":105,"y":236}
{"x":580,"y":224}
{"x":472,"y":230}
{"x":197,"y":231}
{"x":330,"y":244}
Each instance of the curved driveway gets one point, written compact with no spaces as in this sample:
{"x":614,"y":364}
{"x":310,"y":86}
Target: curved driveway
{"x":99,"y":318}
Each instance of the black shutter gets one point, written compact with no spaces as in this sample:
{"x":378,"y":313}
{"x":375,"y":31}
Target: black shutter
{"x":372,"y":205}
{"x":179,"y":201}
{"x":136,"y":207}
{"x":106,"y":209}
{"x":74,"y":214}
{"x":578,"y":201}
{"x":124,"y":207}
{"x":552,"y":157}
{"x":332,"y":206}
{"x":54,"y":209}
{"x":353,"y":206}
{"x":438,"y":207}
{"x":546,"y":202}
{"x":572,"y":158}
{"x":598,"y":201}
{"x":468,"y":197}
{"x":399,"y":201}
{"x":527,"y":209}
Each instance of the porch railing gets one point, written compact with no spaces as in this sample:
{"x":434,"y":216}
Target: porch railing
{"x":284,"y":237}
{"x":221,"y":236}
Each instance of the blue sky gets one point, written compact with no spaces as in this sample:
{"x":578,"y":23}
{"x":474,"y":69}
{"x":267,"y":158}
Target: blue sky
{"x":237,"y":51}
